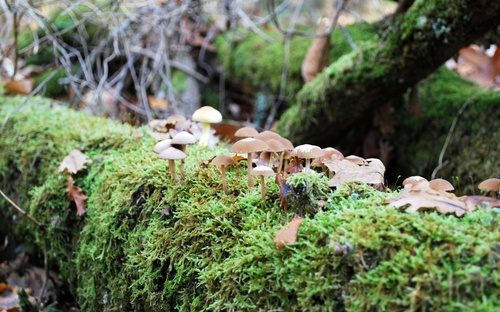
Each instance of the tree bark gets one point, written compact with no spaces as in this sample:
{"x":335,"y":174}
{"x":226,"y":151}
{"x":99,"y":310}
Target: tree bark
{"x":342,"y":98}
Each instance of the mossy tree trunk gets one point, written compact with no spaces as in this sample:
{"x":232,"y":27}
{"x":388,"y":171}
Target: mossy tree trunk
{"x":409,"y":49}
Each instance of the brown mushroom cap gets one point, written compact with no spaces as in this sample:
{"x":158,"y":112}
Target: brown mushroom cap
{"x":175,"y":119}
{"x":222,"y":160}
{"x":162,"y":145}
{"x":249,"y":145}
{"x":246,"y":132}
{"x":360,"y":161}
{"x":275,"y":146}
{"x":207,"y":114}
{"x":172,"y":153}
{"x":490,"y":185}
{"x":410,"y":181}
{"x":441,"y":185}
{"x":308,"y":151}
{"x":183,"y":138}
{"x":267,"y":135}
{"x":286,"y":143}
{"x":332,"y":153}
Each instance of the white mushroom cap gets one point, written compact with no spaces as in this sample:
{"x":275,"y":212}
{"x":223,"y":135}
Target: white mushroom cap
{"x":207,"y":114}
{"x":308,"y":151}
{"x":172,"y":153}
{"x":162,"y":145}
{"x":262,"y":171}
{"x":183,"y":138}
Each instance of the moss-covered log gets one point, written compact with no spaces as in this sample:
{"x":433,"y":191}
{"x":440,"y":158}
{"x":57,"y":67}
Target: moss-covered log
{"x":149,"y":243}
{"x":411,"y":47}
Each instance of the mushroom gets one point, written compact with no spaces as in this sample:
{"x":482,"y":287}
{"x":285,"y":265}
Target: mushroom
{"x":262,"y":171}
{"x":249,"y":146}
{"x":171,"y":154}
{"x":182,"y":139}
{"x":441,"y":185}
{"x":275,"y":146}
{"x":223,"y":161}
{"x":490,"y":185}
{"x":206,"y":115}
{"x":162,"y":145}
{"x":246,"y":132}
{"x":308,"y":152}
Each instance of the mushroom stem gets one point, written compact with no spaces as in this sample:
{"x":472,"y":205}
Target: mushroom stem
{"x":308,"y":165}
{"x":262,"y":189}
{"x":249,"y":165}
{"x":204,"y":134}
{"x":224,"y":184}
{"x":278,"y":170}
{"x":171,"y":166}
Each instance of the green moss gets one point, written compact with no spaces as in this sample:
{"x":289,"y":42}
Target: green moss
{"x":149,"y":243}
{"x":249,"y":58}
{"x":52,"y":87}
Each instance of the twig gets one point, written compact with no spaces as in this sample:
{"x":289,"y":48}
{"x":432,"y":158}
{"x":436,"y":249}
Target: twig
{"x":441,"y":164}
{"x":24,"y":213}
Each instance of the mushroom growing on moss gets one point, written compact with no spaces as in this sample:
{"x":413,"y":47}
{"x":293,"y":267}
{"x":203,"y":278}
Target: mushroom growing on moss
{"x":206,"y":115}
{"x":308,"y":152}
{"x":249,"y":146}
{"x":490,"y":185}
{"x":171,"y":154}
{"x":223,"y":161}
{"x":262,"y":172}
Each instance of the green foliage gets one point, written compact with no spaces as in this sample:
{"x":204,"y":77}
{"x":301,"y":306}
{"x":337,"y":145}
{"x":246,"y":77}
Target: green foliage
{"x":149,"y":243}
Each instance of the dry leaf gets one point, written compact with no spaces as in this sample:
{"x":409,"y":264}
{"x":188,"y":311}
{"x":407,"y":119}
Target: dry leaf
{"x":158,"y":103}
{"x":75,"y":194}
{"x":421,"y":195}
{"x":288,"y":234}
{"x":316,"y":58}
{"x":74,"y":162}
{"x":347,"y":171}
{"x":473,"y":201}
{"x":23,"y":86}
{"x":476,"y":65}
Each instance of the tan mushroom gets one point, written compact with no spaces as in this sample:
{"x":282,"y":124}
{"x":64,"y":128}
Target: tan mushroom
{"x":308,"y":152}
{"x":206,"y":115}
{"x":262,"y":172}
{"x":162,"y":145}
{"x":172,"y":154}
{"x":222,"y":161}
{"x":246,"y":132}
{"x":275,"y":146}
{"x":249,"y":146}
{"x":181,"y":139}
{"x":490,"y":185}
{"x":441,"y":185}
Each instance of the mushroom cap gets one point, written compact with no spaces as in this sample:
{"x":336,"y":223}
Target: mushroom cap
{"x":275,"y":146}
{"x":249,"y":145}
{"x":360,"y":161}
{"x":308,"y":151}
{"x":162,"y":145}
{"x":222,"y":160}
{"x":207,"y":114}
{"x":441,"y":185}
{"x":332,"y":153}
{"x":267,"y":135}
{"x":410,"y":181}
{"x":490,"y":185}
{"x":183,"y":138}
{"x":262,"y":171}
{"x":172,"y":153}
{"x":286,"y":143}
{"x":246,"y":132}
{"x":175,"y":119}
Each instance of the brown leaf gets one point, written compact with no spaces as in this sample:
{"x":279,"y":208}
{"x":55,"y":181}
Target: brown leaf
{"x":23,"y":86}
{"x":347,"y":171}
{"x":421,"y":195}
{"x":476,"y":65}
{"x":288,"y":234}
{"x":75,"y":194}
{"x":158,"y":103}
{"x":316,"y":58}
{"x":284,"y":191}
{"x":473,"y":201}
{"x":74,"y":162}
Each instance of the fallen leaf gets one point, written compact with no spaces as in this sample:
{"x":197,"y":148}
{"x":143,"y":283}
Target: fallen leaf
{"x":288,"y":234}
{"x":421,"y":195}
{"x":158,"y":103}
{"x":4,"y":287}
{"x":74,"y":162}
{"x":474,"y":201}
{"x":75,"y":194}
{"x":316,"y":57}
{"x":284,"y":190}
{"x":476,"y":65}
{"x":23,"y":86}
{"x":347,"y":171}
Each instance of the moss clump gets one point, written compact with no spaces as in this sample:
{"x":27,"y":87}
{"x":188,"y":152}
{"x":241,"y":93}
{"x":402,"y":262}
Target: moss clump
{"x":149,"y":243}
{"x":470,"y":152}
{"x":259,"y":64}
